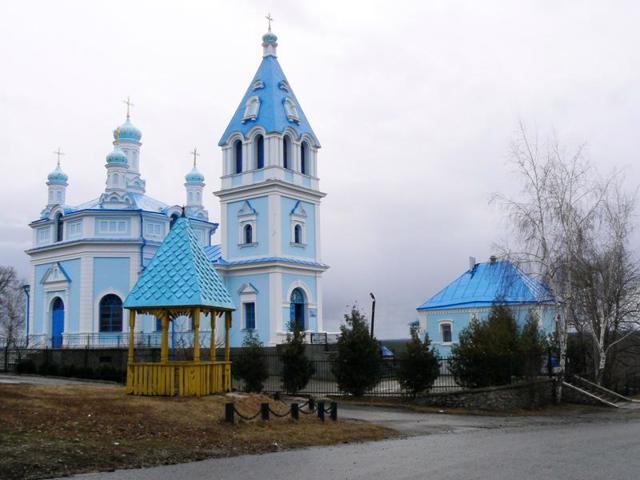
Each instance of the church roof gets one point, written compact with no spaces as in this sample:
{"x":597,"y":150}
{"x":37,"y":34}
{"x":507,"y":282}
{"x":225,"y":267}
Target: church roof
{"x":140,"y":202}
{"x":214,"y":254}
{"x":487,"y":283}
{"x":270,"y":86}
{"x":180,"y":275}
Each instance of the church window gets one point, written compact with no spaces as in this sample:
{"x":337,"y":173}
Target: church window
{"x":297,"y":309}
{"x":74,"y":229}
{"x":110,"y":313}
{"x":251,"y":108}
{"x":259,"y":146}
{"x":43,"y":235}
{"x":59,"y":228}
{"x":286,"y":151}
{"x":113,"y":226}
{"x":258,"y":84}
{"x":445,"y":332}
{"x":154,"y":229}
{"x":198,"y":197}
{"x":291,"y":110}
{"x":237,"y":154}
{"x":59,"y":196}
{"x":304,"y":153}
{"x":248,"y":234}
{"x":249,"y":315}
{"x":297,"y":234}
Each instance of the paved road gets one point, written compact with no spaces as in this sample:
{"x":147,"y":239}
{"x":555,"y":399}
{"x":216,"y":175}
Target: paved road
{"x":604,"y":448}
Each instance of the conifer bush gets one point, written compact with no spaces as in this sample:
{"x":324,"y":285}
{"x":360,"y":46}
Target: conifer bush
{"x":418,"y":365}
{"x":297,"y":369}
{"x":357,"y":365}
{"x":250,"y":366}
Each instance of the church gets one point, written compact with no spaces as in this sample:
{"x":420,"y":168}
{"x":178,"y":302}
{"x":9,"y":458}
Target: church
{"x":86,"y":258}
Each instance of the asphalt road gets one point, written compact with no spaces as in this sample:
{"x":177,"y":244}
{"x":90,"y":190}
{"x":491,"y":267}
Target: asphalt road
{"x":607,"y":448}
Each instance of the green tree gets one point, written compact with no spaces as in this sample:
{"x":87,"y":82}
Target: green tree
{"x":418,"y":365}
{"x":250,"y":366}
{"x":297,"y":369}
{"x":533,"y":347}
{"x":358,"y":364}
{"x":487,"y":352}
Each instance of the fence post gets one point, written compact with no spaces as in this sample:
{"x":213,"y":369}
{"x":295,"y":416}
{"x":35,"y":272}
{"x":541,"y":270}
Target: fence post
{"x":321,"y":410}
{"x":228,"y":412}
{"x":312,"y":404}
{"x":334,"y":411}
{"x":264,"y":411}
{"x":295,"y":411}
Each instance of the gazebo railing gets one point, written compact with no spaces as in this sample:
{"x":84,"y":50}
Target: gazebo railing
{"x":178,"y":378}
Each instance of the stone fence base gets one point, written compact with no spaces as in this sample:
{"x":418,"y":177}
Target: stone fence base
{"x":508,"y":397}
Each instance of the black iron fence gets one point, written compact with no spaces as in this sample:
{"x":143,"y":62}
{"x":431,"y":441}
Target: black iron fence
{"x":323,"y":381}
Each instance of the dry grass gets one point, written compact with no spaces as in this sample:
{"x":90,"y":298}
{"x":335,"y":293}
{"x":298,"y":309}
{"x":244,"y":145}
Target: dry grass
{"x":50,"y":431}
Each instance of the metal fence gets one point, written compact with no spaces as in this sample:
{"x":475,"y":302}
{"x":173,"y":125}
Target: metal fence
{"x":323,"y":381}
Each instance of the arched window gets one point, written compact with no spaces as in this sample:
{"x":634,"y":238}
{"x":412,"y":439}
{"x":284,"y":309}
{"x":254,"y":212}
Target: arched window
{"x":248,"y":234}
{"x":297,"y":309}
{"x":59,"y":228}
{"x":259,"y":151}
{"x":297,"y":234}
{"x":237,"y":152}
{"x":286,"y":147}
{"x":303,"y":157}
{"x":110,"y":313}
{"x":174,"y":219}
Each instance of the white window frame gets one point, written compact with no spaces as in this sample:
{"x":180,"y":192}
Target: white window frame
{"x":120,"y":227}
{"x":248,"y":294}
{"x":43,"y":235}
{"x":441,"y":323}
{"x":74,"y":230}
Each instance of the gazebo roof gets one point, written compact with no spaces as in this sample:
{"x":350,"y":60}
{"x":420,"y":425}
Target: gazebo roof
{"x":179,"y":275}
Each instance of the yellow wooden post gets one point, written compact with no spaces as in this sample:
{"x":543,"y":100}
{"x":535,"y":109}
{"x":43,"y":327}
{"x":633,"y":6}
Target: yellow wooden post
{"x":227,"y":328}
{"x":196,"y":335}
{"x":164,"y":349}
{"x":212,"y":343}
{"x":132,"y":326}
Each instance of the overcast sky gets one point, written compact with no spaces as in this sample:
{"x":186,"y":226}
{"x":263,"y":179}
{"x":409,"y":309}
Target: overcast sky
{"x":415,"y":104}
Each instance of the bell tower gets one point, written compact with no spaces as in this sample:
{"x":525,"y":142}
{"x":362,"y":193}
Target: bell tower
{"x":270,"y":201}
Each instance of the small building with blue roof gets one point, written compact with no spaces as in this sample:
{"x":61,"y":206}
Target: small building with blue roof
{"x":444,"y":315}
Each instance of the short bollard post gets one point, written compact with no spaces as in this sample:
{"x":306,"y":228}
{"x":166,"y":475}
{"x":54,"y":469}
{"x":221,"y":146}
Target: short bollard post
{"x":334,"y":411}
{"x":295,"y":411}
{"x":312,"y":404}
{"x":264,"y":411}
{"x":321,"y":411}
{"x":228,"y":413}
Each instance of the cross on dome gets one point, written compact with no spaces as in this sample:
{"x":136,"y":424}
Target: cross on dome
{"x":269,"y":19}
{"x":128,"y":103}
{"x":58,"y":153}
{"x":195,"y":156}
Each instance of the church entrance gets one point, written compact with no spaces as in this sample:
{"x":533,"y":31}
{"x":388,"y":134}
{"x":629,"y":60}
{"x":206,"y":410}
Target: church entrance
{"x":57,"y":322}
{"x":297,"y":309}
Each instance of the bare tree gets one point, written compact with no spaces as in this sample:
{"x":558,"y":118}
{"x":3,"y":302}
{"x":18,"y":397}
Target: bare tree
{"x":11,"y":309}
{"x":572,"y":230}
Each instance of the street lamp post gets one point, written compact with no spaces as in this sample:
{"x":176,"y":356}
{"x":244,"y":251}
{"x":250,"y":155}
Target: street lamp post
{"x":373,"y":311}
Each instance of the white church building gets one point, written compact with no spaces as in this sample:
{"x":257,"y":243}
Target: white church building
{"x":86,"y":258}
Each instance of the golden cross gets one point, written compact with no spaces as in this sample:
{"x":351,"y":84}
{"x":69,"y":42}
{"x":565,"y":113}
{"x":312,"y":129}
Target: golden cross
{"x":59,"y":153}
{"x":269,"y":19}
{"x":195,"y":156}
{"x":128,"y":103}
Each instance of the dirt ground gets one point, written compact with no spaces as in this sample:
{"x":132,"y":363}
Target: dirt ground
{"x":48,"y":431}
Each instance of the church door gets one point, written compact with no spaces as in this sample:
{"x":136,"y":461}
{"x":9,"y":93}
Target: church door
{"x":297,"y":309}
{"x":57,"y":323}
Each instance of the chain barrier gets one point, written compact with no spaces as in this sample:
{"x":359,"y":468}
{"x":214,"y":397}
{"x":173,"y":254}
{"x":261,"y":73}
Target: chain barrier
{"x":294,"y":410}
{"x":247,"y":418}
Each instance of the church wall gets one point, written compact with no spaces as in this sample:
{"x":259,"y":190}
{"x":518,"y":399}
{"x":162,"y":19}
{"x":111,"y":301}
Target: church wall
{"x":309,"y":235}
{"x":261,"y":283}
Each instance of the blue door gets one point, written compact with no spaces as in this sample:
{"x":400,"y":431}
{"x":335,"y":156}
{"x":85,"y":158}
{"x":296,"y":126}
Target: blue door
{"x":297,"y":309}
{"x":57,"y":323}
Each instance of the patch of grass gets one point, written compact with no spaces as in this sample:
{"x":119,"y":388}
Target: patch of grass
{"x":52,"y":431}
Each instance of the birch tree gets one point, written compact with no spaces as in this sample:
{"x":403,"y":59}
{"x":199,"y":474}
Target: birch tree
{"x":11,"y":309}
{"x":571,"y":229}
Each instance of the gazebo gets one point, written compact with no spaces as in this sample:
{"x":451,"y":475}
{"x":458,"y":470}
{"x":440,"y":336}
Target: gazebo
{"x":180,"y":281}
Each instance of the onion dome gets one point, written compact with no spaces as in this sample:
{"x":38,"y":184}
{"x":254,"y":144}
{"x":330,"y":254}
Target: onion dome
{"x":127,"y":132}
{"x":116,"y":157}
{"x":269,"y":37}
{"x":194,"y":176}
{"x":57,"y":177}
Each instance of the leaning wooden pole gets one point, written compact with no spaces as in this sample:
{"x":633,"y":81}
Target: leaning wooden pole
{"x":212,"y":342}
{"x":196,"y":334}
{"x":132,"y":327}
{"x":227,"y":328}
{"x":164,"y":348}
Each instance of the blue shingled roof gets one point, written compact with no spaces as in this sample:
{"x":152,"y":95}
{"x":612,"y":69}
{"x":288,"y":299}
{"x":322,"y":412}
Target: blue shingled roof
{"x":272,"y":91}
{"x":487,"y":283}
{"x":180,"y":275}
{"x":214,"y":254}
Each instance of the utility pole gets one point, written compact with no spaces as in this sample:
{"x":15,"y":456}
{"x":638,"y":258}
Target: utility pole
{"x":373,"y":311}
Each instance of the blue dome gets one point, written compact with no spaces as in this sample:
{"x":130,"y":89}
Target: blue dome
{"x":128,"y":132}
{"x":194,"y":176}
{"x":117,"y":157}
{"x":58,"y":177}
{"x":269,"y":37}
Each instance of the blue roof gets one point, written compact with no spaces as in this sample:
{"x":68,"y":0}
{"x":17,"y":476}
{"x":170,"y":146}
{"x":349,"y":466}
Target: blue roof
{"x":127,"y":132}
{"x":58,"y":177}
{"x":214,"y":254}
{"x":270,"y":85}
{"x":180,"y":275}
{"x":487,"y":283}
